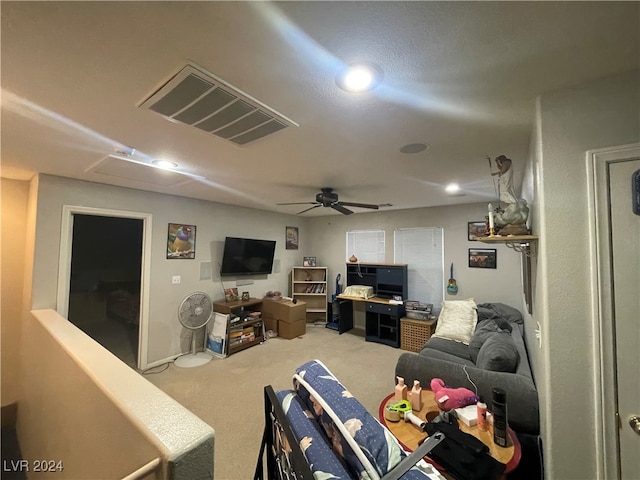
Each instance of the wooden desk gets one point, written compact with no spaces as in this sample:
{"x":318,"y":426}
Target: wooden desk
{"x":410,"y":435}
{"x":382,"y":318}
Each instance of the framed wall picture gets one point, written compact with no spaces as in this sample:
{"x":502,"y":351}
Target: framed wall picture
{"x":482,"y":258}
{"x":231,"y":294}
{"x":476,"y":229}
{"x":291,"y":238}
{"x":309,"y":261}
{"x":181,"y":241}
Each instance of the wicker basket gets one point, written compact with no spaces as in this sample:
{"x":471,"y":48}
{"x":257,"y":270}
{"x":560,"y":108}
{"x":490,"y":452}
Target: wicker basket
{"x":415,"y":333}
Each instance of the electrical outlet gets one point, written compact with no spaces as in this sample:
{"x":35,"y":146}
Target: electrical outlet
{"x":176,"y":279}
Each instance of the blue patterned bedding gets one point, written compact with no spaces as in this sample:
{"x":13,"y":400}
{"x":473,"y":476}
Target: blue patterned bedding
{"x":338,"y":437}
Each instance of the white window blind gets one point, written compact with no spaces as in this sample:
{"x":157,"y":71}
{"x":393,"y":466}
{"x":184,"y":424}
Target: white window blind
{"x":422,"y":250}
{"x":366,"y":245}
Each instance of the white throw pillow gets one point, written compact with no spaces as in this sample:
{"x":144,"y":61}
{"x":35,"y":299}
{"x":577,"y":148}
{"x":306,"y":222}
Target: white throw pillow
{"x":457,"y":320}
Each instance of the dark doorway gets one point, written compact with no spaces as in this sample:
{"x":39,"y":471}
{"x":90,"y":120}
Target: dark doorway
{"x":104,"y":290}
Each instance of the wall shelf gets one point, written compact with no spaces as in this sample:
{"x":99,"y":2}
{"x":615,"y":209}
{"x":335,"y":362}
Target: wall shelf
{"x":526,"y":245}
{"x":520,"y":243}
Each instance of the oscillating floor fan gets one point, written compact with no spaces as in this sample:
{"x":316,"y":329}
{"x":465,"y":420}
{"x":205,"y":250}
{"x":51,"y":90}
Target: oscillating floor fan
{"x":194,"y":313}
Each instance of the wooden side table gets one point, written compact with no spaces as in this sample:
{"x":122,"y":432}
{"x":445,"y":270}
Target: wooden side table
{"x":410,"y":435}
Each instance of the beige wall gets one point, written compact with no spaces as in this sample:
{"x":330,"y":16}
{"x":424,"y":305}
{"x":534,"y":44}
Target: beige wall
{"x":77,"y":403}
{"x":214,"y":221}
{"x":14,"y":199}
{"x":603,"y":113}
{"x":328,"y":240}
{"x":323,"y":237}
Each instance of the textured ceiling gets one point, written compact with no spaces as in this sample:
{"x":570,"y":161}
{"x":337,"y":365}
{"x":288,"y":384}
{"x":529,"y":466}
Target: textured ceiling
{"x":459,"y":76}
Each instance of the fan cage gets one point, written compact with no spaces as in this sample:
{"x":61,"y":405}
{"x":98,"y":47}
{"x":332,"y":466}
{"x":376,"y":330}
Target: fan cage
{"x":195,"y":310}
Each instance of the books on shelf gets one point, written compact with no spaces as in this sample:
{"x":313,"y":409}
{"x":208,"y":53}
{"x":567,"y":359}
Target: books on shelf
{"x":315,"y":288}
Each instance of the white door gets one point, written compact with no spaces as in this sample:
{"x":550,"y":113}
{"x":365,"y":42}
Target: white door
{"x":625,"y":260}
{"x":64,"y":267}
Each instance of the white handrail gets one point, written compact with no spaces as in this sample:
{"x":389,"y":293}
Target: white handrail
{"x":144,"y":470}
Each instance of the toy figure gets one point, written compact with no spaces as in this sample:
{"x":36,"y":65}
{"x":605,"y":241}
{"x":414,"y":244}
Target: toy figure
{"x":449,"y":398}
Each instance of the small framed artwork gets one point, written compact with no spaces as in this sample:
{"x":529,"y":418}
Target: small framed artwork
{"x":309,"y":261}
{"x":476,"y":229}
{"x":181,"y":241}
{"x":291,"y":238}
{"x":482,"y":258}
{"x":231,"y":294}
{"x":245,"y":296}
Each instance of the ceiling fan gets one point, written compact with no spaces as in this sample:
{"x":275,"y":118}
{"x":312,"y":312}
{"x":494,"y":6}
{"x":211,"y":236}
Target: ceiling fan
{"x":328,"y":198}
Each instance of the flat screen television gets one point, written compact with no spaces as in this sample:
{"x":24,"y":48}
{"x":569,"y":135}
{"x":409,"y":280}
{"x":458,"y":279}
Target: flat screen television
{"x":246,"y":256}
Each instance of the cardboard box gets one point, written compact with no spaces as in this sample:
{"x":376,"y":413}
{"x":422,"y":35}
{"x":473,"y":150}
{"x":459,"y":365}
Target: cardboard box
{"x":290,"y":330}
{"x":284,"y":310}
{"x":270,"y":322}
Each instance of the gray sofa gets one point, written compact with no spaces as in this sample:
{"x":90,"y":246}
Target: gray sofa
{"x":494,"y":357}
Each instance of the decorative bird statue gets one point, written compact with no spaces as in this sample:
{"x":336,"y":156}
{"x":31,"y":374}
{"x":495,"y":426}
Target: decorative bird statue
{"x":182,"y":242}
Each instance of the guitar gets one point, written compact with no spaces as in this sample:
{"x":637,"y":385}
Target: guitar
{"x":452,"y":287}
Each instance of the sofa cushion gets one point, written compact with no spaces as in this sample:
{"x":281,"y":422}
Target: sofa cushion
{"x":498,"y":353}
{"x":483,"y":331}
{"x":499,"y":310}
{"x":459,"y":350}
{"x":457,"y":320}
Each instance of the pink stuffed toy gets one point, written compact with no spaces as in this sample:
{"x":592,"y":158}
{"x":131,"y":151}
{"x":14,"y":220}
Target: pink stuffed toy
{"x":449,"y":398}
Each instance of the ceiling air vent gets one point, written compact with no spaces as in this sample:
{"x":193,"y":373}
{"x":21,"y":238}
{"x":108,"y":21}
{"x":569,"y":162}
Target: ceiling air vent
{"x":204,"y":101}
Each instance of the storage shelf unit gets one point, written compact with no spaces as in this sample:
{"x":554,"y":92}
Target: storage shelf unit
{"x":309,"y":284}
{"x":244,"y":333}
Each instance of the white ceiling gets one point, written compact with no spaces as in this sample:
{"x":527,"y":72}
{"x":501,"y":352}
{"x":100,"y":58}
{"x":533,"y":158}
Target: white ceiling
{"x":460,"y":76}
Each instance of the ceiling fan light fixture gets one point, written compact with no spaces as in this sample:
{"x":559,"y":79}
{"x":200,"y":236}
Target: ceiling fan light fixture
{"x":359,"y":77}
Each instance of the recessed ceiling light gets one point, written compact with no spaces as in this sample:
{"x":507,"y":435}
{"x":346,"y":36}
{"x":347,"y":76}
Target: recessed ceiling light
{"x":359,"y":77}
{"x":452,"y":188}
{"x":165,"y":164}
{"x":414,"y":148}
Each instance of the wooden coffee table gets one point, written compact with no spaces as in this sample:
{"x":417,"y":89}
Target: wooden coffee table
{"x":410,"y":435}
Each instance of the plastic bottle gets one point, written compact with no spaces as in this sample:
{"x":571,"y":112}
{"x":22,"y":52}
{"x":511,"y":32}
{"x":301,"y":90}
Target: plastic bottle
{"x":416,"y":396}
{"x":401,"y":390}
{"x":500,"y":421}
{"x":483,"y":424}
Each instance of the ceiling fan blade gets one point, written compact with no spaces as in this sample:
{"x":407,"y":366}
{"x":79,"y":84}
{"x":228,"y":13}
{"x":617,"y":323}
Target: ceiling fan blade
{"x":360,"y":205}
{"x":341,"y":209}
{"x":297,"y":203}
{"x":310,"y":208}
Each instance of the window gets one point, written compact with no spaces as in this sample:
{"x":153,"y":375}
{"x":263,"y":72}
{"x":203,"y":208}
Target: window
{"x":366,"y":245}
{"x":422,"y":250}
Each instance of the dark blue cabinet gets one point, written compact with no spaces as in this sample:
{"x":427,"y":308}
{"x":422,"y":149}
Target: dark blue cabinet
{"x":382,"y":319}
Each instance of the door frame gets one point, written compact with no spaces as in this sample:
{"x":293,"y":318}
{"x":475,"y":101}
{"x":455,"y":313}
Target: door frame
{"x":64,"y":266}
{"x":606,"y":420}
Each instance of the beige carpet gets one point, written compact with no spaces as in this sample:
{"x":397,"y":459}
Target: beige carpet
{"x":228,"y":393}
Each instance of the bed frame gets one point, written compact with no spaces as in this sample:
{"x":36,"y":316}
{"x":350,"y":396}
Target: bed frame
{"x":284,"y":459}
